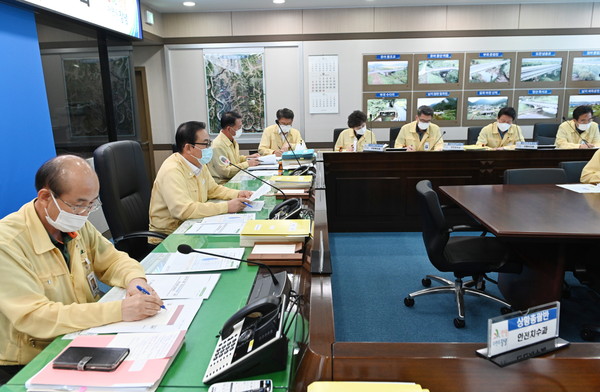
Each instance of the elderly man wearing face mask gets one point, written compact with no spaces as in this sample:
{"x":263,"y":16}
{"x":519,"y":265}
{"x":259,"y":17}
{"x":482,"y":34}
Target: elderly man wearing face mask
{"x":280,"y":137}
{"x":52,"y":259}
{"x":580,"y":132}
{"x":421,"y":134}
{"x":502,"y":134}
{"x":357,"y":135}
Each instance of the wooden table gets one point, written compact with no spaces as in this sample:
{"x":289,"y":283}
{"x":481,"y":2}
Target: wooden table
{"x":547,"y":226}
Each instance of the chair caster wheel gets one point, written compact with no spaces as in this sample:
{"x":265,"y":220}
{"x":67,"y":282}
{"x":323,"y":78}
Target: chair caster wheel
{"x":409,"y":302}
{"x":505,"y":310}
{"x":587,"y":334}
{"x":426,"y":282}
{"x":459,"y":323}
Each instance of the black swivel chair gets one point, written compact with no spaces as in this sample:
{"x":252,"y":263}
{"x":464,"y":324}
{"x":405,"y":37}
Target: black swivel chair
{"x":535,"y":176}
{"x":473,"y":134}
{"x":463,"y":255}
{"x":125,"y":195}
{"x":336,"y":134}
{"x":394,"y":135}
{"x":573,"y":170}
{"x":545,"y":133}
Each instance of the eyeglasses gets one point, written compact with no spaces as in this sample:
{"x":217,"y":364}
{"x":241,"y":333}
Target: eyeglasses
{"x":207,"y":144}
{"x":80,"y":209}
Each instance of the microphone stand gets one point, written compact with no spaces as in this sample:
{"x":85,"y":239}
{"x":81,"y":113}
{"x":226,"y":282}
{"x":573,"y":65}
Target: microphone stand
{"x":436,"y":142}
{"x":258,"y":178}
{"x":301,"y":168}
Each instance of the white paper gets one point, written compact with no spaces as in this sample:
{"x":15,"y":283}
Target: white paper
{"x":178,"y":315}
{"x":291,"y":191}
{"x":183,"y":286}
{"x":581,"y":188}
{"x":257,"y":205}
{"x":263,"y":167}
{"x":143,"y":346}
{"x":186,"y":225}
{"x":292,"y":166}
{"x":194,"y":262}
{"x":267,"y":249}
{"x":215,"y":228}
{"x":268,"y":160}
{"x":263,"y":190}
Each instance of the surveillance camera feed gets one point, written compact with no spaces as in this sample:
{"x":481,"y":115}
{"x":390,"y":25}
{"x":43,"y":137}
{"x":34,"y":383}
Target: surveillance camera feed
{"x":444,"y":108}
{"x":541,"y":69}
{"x":389,"y":109}
{"x":585,"y":69}
{"x":485,"y":108}
{"x":489,"y":70}
{"x":438,"y":71}
{"x":590,"y":100}
{"x":387,"y":72}
{"x":538,"y":107}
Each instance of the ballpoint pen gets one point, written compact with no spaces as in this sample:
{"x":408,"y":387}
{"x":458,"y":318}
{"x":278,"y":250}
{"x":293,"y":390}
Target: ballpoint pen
{"x":144,"y":291}
{"x":248,"y":204}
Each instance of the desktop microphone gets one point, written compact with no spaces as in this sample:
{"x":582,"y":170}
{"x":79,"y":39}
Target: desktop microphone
{"x":301,"y":168}
{"x":579,"y":134}
{"x":226,"y":161}
{"x":439,"y":138}
{"x":371,"y":126}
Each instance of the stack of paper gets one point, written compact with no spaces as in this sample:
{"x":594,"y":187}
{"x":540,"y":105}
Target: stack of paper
{"x":348,"y":386}
{"x":287,"y":230}
{"x":295,"y":182}
{"x":149,"y":358}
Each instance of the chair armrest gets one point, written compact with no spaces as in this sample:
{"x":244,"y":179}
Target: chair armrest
{"x":466,"y":228}
{"x":141,"y":234}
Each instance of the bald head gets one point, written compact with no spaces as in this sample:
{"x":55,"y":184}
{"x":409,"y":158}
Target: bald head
{"x":62,"y":173}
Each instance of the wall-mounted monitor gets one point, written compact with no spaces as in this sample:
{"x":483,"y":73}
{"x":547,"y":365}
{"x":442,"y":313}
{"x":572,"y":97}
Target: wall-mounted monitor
{"x":387,"y":109}
{"x":438,"y":71}
{"x":578,"y":97}
{"x":445,"y":104}
{"x":481,"y":107}
{"x":542,"y":69}
{"x":584,"y":69}
{"x":539,"y":106}
{"x":488,"y":70}
{"x":387,"y":72}
{"x":122,"y":16}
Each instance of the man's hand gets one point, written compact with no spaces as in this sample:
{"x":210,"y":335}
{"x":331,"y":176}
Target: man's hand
{"x":245,"y":194}
{"x":277,"y":153}
{"x":139,"y":306}
{"x":255,"y":155}
{"x":236,"y":205}
{"x":132,"y":287}
{"x":253,"y":162}
{"x":410,"y":148}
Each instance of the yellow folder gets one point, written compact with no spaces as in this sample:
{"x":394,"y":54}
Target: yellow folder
{"x":348,"y":386}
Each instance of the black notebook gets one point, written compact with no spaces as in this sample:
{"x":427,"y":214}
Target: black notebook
{"x":91,"y":358}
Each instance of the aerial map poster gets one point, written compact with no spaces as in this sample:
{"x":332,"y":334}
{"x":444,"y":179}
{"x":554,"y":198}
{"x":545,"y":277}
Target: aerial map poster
{"x":234,"y":81}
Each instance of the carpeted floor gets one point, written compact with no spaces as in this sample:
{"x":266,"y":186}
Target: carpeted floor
{"x":373,"y":272}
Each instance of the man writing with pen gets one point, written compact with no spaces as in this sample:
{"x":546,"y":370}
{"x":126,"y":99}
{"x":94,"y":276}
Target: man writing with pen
{"x":580,"y":132}
{"x":281,"y":137}
{"x":52,"y":259}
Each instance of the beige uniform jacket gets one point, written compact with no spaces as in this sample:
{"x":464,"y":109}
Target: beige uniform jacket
{"x":230,"y":149}
{"x":408,"y":137}
{"x":591,"y":172}
{"x":178,"y":195}
{"x":568,"y":137}
{"x":272,"y":140}
{"x":490,"y":137}
{"x":40,"y":298}
{"x":347,"y":138}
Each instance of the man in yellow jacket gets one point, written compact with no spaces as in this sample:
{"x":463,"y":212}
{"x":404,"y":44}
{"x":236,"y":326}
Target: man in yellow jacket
{"x":591,"y":171}
{"x":357,"y":135}
{"x":502,"y":134}
{"x":273,"y":141}
{"x":225,"y":145}
{"x":579,"y":132}
{"x":421,"y":134}
{"x":52,"y":259}
{"x":184,"y":185}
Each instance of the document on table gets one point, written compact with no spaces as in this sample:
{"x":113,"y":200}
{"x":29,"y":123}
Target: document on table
{"x":268,"y":160}
{"x":263,"y":167}
{"x":257,"y":205}
{"x":177,"y":263}
{"x":220,"y":224}
{"x":178,"y":315}
{"x":263,"y":190}
{"x":581,"y":188}
{"x":173,"y":286}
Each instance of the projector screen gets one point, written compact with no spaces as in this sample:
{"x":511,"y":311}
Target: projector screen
{"x":120,"y":16}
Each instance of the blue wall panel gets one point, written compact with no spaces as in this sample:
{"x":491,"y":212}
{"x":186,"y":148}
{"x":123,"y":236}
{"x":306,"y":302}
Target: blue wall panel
{"x":26,"y":139}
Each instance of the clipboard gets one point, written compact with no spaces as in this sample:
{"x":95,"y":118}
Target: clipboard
{"x":104,"y":359}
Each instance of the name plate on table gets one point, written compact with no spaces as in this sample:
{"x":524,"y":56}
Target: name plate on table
{"x":454,"y":146}
{"x":517,"y":336}
{"x":526,"y":145}
{"x":375,"y":147}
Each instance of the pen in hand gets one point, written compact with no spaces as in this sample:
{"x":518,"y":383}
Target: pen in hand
{"x":248,"y":204}
{"x":144,"y":291}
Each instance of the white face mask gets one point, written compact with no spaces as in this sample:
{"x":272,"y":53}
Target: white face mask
{"x":66,"y":222}
{"x":583,"y":127}
{"x":361,"y":131}
{"x":285,"y":128}
{"x":423,"y":125}
{"x":503,"y":127}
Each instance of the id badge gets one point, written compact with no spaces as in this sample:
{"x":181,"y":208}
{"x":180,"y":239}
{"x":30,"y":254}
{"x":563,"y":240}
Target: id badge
{"x":93,"y":282}
{"x":426,"y":146}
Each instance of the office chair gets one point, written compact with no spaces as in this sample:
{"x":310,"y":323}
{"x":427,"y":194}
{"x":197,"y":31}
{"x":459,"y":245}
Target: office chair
{"x":462,"y":255}
{"x":535,"y":176}
{"x":473,"y":134}
{"x":393,"y":135}
{"x":548,"y":131}
{"x":546,"y":140}
{"x":125,"y":195}
{"x":573,"y":170}
{"x":336,"y":134}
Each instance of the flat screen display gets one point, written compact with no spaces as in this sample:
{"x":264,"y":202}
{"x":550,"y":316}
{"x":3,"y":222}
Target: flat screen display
{"x":444,"y":108}
{"x":485,"y":108}
{"x":388,"y":109}
{"x":387,"y":72}
{"x":590,"y":100}
{"x":586,"y":69}
{"x":538,"y":107}
{"x":121,"y":16}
